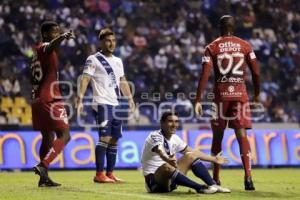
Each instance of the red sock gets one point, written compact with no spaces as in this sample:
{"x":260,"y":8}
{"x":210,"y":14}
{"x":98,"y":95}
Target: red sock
{"x":57,"y":147}
{"x":245,"y":152}
{"x":215,"y":149}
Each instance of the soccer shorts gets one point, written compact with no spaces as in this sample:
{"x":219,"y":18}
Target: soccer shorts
{"x":49,"y":116}
{"x":108,"y":122}
{"x":153,"y":187}
{"x":235,"y":114}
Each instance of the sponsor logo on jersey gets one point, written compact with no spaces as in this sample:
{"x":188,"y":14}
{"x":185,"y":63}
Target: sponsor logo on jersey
{"x":231,"y":88}
{"x":88,"y":63}
{"x":156,"y":139}
{"x":113,"y":80}
{"x":231,"y":92}
{"x":229,"y":46}
{"x":224,"y":79}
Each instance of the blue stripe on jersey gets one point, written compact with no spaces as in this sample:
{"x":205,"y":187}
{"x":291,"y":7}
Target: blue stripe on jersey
{"x":109,"y":71}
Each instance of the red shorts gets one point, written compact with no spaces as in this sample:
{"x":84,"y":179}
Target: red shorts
{"x":49,"y":116}
{"x":236,"y":114}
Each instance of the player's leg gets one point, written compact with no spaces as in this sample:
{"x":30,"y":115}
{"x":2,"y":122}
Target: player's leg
{"x":216,"y":148}
{"x":167,"y":178}
{"x":191,"y":161}
{"x":100,"y":152}
{"x":245,"y":152}
{"x":62,"y":138}
{"x":240,"y":124}
{"x":54,"y":118}
{"x":218,"y":125}
{"x":111,"y":153}
{"x":104,"y":132}
{"x":46,"y":144}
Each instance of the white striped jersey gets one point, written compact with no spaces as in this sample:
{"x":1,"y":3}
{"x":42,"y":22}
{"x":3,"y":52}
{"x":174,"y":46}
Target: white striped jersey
{"x":151,"y":160}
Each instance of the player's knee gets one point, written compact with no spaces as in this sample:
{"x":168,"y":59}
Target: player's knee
{"x":164,"y":172}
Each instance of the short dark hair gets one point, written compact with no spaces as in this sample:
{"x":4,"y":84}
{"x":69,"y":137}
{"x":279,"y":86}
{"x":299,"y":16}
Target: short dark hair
{"x":166,"y":114}
{"x":47,"y":25}
{"x":105,"y":32}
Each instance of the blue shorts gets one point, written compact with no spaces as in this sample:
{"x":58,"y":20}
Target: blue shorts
{"x":107,"y":121}
{"x":154,"y":187}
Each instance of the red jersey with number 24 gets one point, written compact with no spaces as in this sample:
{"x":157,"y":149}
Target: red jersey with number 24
{"x":44,"y":69}
{"x":229,"y":56}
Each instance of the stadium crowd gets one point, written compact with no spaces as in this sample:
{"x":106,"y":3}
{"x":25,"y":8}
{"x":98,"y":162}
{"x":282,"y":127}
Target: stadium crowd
{"x":161,"y":45}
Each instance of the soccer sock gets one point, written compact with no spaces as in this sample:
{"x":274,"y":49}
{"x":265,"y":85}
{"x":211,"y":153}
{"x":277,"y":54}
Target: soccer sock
{"x":100,"y":152}
{"x":180,"y":179}
{"x":201,"y":171}
{"x":215,"y":149}
{"x":111,"y":156}
{"x":57,"y":147}
{"x":245,"y":154}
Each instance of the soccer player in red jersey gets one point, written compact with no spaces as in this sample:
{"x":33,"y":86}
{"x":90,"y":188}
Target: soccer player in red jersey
{"x":229,"y":56}
{"x":48,"y":113}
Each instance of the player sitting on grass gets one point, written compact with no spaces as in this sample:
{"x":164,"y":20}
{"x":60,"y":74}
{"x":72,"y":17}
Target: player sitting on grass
{"x":161,"y":169}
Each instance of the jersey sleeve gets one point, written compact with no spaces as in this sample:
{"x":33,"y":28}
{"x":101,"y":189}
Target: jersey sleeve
{"x":89,"y":66}
{"x":207,"y":64}
{"x":180,"y":144}
{"x":254,"y":68}
{"x":156,"y":140}
{"x":122,"y":68}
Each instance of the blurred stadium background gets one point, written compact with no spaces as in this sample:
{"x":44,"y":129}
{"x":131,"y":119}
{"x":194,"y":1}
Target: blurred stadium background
{"x":161,"y":46}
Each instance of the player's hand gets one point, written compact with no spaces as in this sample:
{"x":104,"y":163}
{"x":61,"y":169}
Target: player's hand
{"x":131,"y":105}
{"x":69,"y":35}
{"x":79,"y":107}
{"x":256,"y":103}
{"x":220,"y":159}
{"x":198,"y":109}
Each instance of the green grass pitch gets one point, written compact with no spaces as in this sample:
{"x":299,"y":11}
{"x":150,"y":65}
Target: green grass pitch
{"x":270,"y":184}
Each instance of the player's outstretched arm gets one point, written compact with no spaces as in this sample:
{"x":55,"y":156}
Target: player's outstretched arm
{"x":56,"y":41}
{"x":219,"y":159}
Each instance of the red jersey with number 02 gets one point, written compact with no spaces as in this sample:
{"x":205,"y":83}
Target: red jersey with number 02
{"x":44,"y":69}
{"x":229,"y":56}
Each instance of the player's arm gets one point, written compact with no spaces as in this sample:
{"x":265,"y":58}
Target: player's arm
{"x":219,"y":159}
{"x":84,"y":82}
{"x":168,"y":159}
{"x":254,"y":68}
{"x":206,"y":68}
{"x":56,"y":41}
{"x":125,"y":89}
